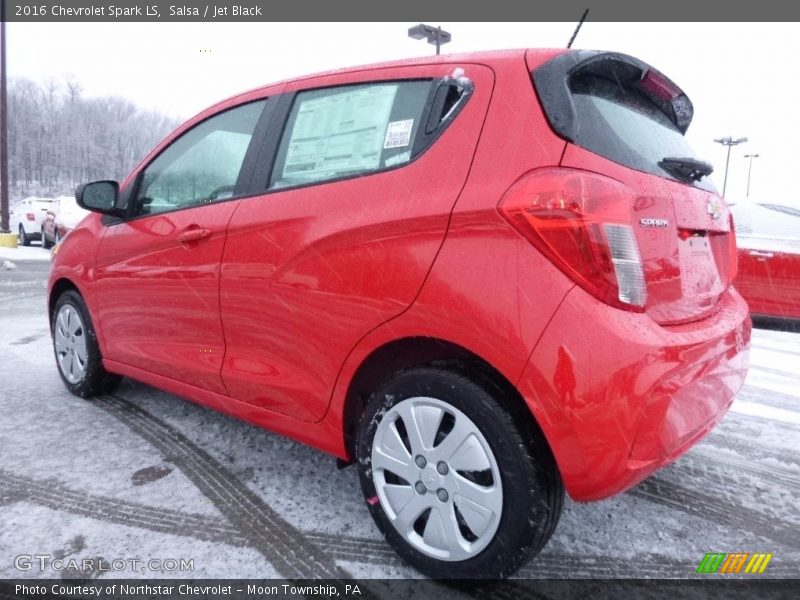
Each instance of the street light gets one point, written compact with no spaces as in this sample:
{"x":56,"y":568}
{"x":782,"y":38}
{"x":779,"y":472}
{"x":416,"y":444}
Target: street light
{"x":4,"y":200}
{"x":749,"y":170}
{"x":728,"y":141}
{"x":435,"y":35}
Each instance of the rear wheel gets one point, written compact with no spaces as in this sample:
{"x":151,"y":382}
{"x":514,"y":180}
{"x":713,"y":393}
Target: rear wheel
{"x":77,"y":352}
{"x":24,"y":240}
{"x":457,"y":485}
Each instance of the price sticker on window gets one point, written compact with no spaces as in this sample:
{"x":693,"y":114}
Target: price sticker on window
{"x":398,"y":134}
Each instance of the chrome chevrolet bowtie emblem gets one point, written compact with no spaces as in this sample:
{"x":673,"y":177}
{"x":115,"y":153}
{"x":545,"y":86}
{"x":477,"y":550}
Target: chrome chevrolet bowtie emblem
{"x":714,"y":208}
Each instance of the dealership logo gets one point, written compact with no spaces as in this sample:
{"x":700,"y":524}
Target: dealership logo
{"x":714,"y":208}
{"x":736,"y":562}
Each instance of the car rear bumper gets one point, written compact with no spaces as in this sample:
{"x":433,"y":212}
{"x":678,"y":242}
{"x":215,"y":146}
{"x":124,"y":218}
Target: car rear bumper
{"x":32,"y":230}
{"x":619,"y":396}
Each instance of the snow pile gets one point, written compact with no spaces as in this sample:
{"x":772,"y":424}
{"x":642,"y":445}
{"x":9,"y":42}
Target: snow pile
{"x":24,"y":253}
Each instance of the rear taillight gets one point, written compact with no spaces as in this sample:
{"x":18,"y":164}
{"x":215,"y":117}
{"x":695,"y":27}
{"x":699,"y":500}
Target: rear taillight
{"x":30,"y":216}
{"x":581,"y":221}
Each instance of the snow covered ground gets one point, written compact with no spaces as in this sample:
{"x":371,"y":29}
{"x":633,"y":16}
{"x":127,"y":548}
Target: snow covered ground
{"x":143,"y":474}
{"x":32,"y":252}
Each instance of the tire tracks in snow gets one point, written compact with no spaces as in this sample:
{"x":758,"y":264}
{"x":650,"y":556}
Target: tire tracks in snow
{"x":722,"y":512}
{"x":283,"y":545}
{"x":548,"y":565}
{"x":57,"y":496}
{"x":752,"y":392}
{"x":749,"y":449}
{"x":253,"y":524}
{"x":698,"y":459}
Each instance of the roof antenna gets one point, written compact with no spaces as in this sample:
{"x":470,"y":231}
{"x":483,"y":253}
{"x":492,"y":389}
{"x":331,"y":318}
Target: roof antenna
{"x":578,"y":28}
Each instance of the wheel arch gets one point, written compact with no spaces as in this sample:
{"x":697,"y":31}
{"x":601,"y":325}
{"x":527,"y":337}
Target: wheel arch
{"x":410,"y":352}
{"x":60,"y":286}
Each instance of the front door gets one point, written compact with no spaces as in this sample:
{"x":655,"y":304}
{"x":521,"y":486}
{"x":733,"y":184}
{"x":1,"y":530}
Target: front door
{"x":158,"y":270}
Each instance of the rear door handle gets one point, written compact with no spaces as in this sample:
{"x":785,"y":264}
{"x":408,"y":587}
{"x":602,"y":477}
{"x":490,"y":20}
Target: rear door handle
{"x":760,"y":254}
{"x":193,"y":234}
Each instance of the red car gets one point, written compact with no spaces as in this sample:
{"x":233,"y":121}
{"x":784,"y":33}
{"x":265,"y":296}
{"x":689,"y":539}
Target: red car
{"x":61,"y":218}
{"x":484,"y":279}
{"x":768,"y":236}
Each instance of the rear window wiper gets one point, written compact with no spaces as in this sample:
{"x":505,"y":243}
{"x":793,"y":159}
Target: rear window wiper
{"x":689,"y":169}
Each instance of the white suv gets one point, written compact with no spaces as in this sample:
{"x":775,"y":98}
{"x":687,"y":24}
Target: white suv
{"x":27,"y":218}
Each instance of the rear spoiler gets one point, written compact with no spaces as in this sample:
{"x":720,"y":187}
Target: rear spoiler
{"x":552,"y":82}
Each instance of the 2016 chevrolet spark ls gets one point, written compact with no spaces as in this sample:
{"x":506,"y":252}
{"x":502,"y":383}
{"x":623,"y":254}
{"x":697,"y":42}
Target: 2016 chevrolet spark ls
{"x":483,"y":278}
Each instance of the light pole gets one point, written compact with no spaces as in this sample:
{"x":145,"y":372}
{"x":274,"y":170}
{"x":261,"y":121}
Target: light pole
{"x":749,"y":171}
{"x":4,"y":199}
{"x":728,"y":141}
{"x":435,"y":35}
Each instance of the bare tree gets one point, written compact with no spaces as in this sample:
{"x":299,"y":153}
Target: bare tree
{"x":58,"y":138}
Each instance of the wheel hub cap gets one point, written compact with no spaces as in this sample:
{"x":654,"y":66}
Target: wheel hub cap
{"x":437,"y":479}
{"x":70,"y":344}
{"x":431,"y":478}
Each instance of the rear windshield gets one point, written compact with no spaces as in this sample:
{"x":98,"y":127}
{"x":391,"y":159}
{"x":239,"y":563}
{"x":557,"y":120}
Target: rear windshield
{"x":623,"y":125}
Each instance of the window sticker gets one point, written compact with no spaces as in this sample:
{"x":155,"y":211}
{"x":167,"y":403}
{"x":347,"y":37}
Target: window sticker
{"x":398,"y":134}
{"x":339,"y":134}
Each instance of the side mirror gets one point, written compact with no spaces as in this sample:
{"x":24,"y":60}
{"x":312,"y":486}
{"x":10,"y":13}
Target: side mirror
{"x":98,"y":196}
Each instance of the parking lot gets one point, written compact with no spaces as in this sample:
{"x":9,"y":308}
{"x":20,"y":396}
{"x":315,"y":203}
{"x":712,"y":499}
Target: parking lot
{"x":143,"y":478}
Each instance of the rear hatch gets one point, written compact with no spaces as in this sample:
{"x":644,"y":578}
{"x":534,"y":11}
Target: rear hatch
{"x":625,"y":124}
{"x":42,"y":205}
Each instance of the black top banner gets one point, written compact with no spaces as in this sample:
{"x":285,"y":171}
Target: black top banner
{"x":407,"y":10}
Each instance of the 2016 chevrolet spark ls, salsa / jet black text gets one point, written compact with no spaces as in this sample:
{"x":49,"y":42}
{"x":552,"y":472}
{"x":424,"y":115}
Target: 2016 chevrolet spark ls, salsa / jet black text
{"x":484,"y":278}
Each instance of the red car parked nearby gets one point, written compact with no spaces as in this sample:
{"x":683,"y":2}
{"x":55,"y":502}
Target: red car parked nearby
{"x":768,"y":237}
{"x":62,"y":217}
{"x":483,"y":278}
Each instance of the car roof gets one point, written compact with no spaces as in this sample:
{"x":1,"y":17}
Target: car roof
{"x":484,"y":56}
{"x":766,"y":219}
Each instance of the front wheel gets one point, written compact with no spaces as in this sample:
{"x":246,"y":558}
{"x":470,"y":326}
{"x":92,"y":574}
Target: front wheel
{"x":457,"y":485}
{"x":77,"y":352}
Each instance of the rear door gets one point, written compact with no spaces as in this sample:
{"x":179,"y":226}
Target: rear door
{"x":157,"y":279}
{"x":366,"y":168}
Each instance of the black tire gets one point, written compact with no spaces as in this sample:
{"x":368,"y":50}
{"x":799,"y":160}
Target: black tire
{"x":46,"y":244}
{"x":96,"y":380}
{"x":532,"y":489}
{"x":24,"y":240}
